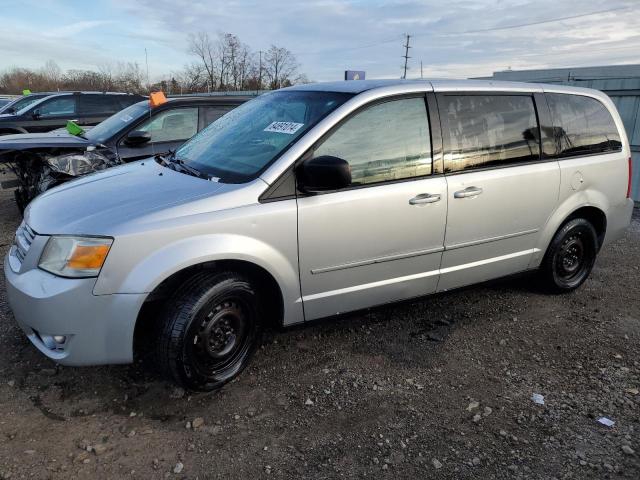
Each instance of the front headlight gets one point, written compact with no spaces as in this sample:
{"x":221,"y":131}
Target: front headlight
{"x":75,"y":256}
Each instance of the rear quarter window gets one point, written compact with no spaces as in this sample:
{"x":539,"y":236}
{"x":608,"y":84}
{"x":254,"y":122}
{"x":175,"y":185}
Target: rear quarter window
{"x":98,"y":104}
{"x":213,"y":113}
{"x":582,"y":125}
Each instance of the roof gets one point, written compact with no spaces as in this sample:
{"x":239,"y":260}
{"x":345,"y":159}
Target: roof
{"x":223,"y":99}
{"x":196,"y":100}
{"x":437,"y":85}
{"x":353,"y":86}
{"x":359,"y":86}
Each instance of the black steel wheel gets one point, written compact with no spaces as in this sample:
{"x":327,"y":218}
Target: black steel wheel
{"x":570,"y":256}
{"x":210,"y":330}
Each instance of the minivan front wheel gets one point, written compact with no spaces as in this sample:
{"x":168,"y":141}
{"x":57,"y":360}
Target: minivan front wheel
{"x":570,"y":256}
{"x":209,"y":330}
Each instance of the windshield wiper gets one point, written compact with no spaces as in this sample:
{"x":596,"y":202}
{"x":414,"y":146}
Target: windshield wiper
{"x":179,"y":165}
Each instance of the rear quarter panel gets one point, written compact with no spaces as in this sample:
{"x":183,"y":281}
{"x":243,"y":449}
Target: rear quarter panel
{"x":593,"y":180}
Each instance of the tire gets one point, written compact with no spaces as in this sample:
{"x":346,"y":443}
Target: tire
{"x":209,"y":330}
{"x":570,"y":256}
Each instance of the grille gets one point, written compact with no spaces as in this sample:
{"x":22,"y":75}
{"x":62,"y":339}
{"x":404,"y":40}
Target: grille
{"x":23,"y":240}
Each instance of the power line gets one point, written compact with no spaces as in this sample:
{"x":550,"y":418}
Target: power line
{"x":520,"y":25}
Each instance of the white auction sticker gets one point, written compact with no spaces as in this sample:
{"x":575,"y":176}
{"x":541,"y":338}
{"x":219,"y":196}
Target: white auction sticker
{"x":284,"y":127}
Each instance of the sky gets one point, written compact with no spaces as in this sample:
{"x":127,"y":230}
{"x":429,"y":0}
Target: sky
{"x":452,"y":38}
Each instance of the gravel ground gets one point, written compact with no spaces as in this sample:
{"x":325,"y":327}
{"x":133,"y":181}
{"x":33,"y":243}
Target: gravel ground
{"x":438,"y":388}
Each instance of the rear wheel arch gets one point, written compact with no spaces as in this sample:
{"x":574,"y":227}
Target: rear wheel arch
{"x":595,"y":216}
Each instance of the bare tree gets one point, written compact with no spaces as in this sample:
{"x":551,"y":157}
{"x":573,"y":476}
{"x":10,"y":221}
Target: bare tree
{"x":202,"y":46}
{"x":280,"y":66}
{"x":52,"y":74}
{"x":192,"y":78}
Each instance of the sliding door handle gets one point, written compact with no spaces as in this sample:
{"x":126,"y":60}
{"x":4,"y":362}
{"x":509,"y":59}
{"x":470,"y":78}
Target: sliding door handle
{"x":468,"y":192}
{"x":424,"y":198}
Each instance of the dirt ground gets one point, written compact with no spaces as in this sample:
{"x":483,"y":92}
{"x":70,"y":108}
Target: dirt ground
{"x":438,"y":388}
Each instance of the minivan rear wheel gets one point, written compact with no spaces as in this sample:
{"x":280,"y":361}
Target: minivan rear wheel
{"x":570,"y":256}
{"x":209,"y":330}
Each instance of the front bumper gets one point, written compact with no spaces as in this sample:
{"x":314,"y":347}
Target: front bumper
{"x":98,"y":329}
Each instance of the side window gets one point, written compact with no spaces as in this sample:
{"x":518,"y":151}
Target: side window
{"x":58,"y":106}
{"x":98,"y":104}
{"x":489,"y":130}
{"x":582,"y":125}
{"x":388,"y":141}
{"x":172,"y":125}
{"x":211,"y":114}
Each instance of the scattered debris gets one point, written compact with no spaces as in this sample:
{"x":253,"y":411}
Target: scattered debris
{"x":473,"y":405}
{"x":197,"y":422}
{"x":606,"y":422}
{"x":178,"y":468}
{"x":436,"y":463}
{"x":628,"y":450}
{"x":537,"y":399}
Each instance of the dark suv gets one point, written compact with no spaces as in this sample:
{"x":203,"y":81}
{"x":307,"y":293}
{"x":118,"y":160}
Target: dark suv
{"x":43,"y":160}
{"x":17,"y":104}
{"x":51,"y":112}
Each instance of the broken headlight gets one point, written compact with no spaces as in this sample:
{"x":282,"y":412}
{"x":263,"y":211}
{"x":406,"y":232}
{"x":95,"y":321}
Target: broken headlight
{"x":77,"y":164}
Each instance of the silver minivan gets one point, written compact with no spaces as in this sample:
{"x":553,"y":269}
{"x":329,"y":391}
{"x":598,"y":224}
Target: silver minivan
{"x":313,"y":201}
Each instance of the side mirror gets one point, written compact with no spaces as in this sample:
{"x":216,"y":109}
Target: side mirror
{"x":10,"y":110}
{"x":36,"y":114}
{"x":137,"y":138}
{"x":324,"y":173}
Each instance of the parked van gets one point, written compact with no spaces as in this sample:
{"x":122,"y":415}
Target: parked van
{"x":313,"y":201}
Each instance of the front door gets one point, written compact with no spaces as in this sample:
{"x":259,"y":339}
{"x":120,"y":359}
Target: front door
{"x":501,"y":191}
{"x":51,"y":114}
{"x":169,"y":129}
{"x":381,"y":239}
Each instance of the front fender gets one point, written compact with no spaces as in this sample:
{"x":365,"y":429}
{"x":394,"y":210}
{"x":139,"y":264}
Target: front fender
{"x":150,"y":271}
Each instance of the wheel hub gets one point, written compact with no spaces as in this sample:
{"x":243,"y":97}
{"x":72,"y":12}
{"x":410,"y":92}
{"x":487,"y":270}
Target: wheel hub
{"x":220,"y":331}
{"x":571,"y":255}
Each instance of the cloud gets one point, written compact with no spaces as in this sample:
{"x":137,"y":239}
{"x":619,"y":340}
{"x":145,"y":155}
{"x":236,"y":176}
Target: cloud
{"x":72,"y":29}
{"x":456,"y":38}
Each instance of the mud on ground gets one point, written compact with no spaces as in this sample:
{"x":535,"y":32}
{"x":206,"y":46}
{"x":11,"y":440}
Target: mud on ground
{"x":438,"y":388}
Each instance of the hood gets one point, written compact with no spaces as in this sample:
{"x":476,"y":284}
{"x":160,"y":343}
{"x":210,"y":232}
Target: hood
{"x":26,"y":141}
{"x":100,"y":203}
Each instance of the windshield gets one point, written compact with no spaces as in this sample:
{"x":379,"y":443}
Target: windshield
{"x":21,"y":103}
{"x":116,"y":122}
{"x":240,"y":145}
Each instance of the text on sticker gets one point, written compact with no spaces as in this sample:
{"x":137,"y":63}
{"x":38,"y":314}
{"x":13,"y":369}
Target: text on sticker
{"x":284,"y":127}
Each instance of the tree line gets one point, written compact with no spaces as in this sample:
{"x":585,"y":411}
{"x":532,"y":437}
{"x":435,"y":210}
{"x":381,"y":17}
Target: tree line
{"x":221,"y":63}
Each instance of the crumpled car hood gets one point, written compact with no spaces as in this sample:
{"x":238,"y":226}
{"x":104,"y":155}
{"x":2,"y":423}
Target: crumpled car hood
{"x":99,"y":203}
{"x":26,"y":141}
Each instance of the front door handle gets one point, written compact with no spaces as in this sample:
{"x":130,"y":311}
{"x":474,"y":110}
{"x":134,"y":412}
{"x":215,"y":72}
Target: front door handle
{"x":468,"y":192}
{"x":424,"y":198}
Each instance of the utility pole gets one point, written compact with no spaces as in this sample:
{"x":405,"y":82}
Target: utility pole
{"x":260,"y":73}
{"x":146,"y":60}
{"x":421,"y":69}
{"x":406,"y":56}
